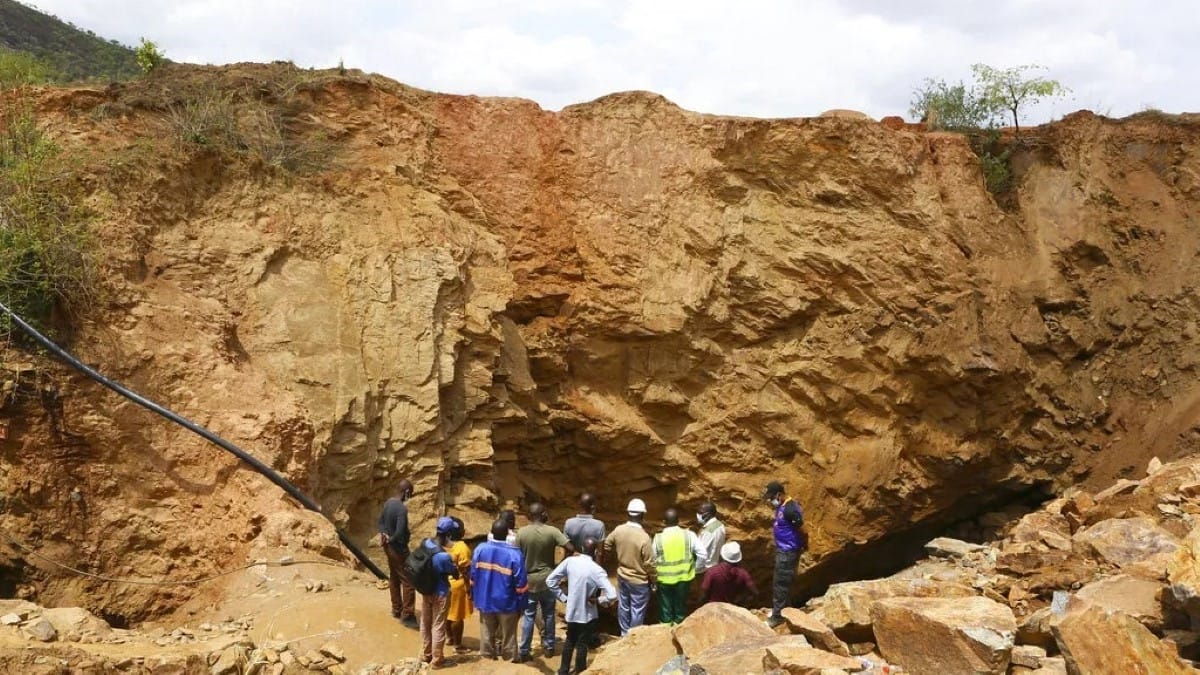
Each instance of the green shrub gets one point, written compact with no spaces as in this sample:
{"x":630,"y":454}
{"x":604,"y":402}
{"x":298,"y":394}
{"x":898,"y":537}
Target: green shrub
{"x":149,"y":57}
{"x":47,"y":259}
{"x":953,"y":107}
{"x":19,"y":69}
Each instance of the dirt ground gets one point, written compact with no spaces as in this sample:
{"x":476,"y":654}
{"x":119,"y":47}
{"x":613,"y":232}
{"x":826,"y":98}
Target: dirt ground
{"x":353,"y":614}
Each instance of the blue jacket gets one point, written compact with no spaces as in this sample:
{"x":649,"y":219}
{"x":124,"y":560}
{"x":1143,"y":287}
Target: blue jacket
{"x":498,"y":578}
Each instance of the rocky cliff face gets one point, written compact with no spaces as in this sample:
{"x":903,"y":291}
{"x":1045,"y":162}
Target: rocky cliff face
{"x":504,"y":303}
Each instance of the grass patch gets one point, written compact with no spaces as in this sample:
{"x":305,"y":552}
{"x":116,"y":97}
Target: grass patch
{"x":268,"y":125}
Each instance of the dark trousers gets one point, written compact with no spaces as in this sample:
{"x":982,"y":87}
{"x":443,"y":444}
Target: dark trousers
{"x":404,"y":597}
{"x":785,"y":572}
{"x":579,"y":636}
{"x":672,"y":602}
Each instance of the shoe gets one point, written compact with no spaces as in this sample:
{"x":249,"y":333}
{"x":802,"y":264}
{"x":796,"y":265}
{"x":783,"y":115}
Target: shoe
{"x":410,"y":622}
{"x":548,"y":652}
{"x":773,"y":621}
{"x":460,"y":649}
{"x":522,"y":658}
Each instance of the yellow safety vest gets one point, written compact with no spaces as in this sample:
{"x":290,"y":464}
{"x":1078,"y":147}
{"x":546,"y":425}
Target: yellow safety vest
{"x":675,"y":561}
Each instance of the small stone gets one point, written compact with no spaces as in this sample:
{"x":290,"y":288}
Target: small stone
{"x":41,"y":630}
{"x":1029,"y":656}
{"x":1170,"y":510}
{"x":288,"y":659}
{"x":333,"y":651}
{"x":10,"y":619}
{"x":1123,"y":486}
{"x":945,"y":547}
{"x":1154,"y":466}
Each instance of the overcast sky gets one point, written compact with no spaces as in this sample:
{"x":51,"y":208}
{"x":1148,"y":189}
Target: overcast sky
{"x":765,"y":58}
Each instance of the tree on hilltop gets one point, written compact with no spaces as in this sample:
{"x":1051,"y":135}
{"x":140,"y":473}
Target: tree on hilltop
{"x":1009,"y":89}
{"x":995,"y":94}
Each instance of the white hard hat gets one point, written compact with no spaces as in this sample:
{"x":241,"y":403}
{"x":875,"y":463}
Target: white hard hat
{"x":731,"y":552}
{"x":636,"y":506}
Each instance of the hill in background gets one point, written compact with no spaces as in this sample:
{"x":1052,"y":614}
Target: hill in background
{"x":74,"y":53}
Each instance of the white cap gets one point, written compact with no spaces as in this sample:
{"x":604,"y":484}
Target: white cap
{"x":731,"y":552}
{"x":636,"y":506}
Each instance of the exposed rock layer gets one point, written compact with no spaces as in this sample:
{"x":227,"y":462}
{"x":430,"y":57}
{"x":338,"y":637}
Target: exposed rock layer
{"x":505,"y":303}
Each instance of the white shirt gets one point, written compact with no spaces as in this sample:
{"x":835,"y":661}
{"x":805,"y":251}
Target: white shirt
{"x":712,"y":538}
{"x":584,"y":577}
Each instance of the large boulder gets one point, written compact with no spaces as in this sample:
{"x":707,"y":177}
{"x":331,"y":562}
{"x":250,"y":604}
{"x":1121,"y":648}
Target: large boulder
{"x":1183,"y":575}
{"x":641,"y":652}
{"x":945,"y":635}
{"x":1125,"y":542}
{"x":846,"y":607}
{"x":1093,"y":639}
{"x":717,"y":623}
{"x":795,"y":658}
{"x":821,"y":636}
{"x":743,"y":655}
{"x":1139,"y":598}
{"x":77,"y":620}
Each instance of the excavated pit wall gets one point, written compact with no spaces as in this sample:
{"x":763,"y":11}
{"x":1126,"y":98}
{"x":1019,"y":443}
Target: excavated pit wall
{"x":504,"y":303}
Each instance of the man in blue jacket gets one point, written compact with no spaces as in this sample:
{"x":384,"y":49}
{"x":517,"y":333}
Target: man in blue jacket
{"x":498,"y":586}
{"x":790,"y":541}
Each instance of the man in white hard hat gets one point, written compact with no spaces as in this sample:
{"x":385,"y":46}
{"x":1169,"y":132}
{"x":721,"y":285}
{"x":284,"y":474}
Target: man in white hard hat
{"x":635,"y":567}
{"x":728,"y":581}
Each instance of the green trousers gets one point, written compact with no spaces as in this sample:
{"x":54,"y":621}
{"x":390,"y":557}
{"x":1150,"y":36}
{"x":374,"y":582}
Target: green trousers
{"x":672,"y":601}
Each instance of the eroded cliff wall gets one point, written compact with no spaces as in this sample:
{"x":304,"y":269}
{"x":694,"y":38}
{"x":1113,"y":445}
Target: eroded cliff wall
{"x":504,"y":303}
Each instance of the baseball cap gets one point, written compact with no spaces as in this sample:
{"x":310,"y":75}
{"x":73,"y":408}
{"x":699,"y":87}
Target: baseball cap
{"x":773,"y":488}
{"x":446,"y":525}
{"x":636,"y":506}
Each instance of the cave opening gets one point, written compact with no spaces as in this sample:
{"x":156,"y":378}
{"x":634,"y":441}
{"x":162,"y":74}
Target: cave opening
{"x":974,"y":520}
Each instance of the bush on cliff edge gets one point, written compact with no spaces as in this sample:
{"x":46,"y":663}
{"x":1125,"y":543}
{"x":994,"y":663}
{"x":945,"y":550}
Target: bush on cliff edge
{"x":47,"y":260}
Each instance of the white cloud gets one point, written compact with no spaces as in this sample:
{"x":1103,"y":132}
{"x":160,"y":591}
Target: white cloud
{"x":757,"y":57}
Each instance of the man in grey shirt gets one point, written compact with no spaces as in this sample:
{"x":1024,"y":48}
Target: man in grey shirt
{"x":585,"y":525}
{"x":394,"y":538}
{"x":587,"y":585}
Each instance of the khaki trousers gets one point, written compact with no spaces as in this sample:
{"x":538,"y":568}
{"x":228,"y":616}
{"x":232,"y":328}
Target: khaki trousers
{"x":498,"y":630}
{"x":433,"y":626}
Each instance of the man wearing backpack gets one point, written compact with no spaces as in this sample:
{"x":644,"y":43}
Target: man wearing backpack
{"x":429,"y":568}
{"x":394,"y":537}
{"x":498,"y":586}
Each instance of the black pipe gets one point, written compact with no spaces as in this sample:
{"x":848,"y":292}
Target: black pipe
{"x":246,"y":457}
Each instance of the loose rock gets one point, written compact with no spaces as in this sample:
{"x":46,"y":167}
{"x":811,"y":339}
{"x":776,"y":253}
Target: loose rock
{"x":717,"y":623}
{"x":945,"y":635}
{"x":821,"y":636}
{"x":1095,"y":640}
{"x":641,"y":652}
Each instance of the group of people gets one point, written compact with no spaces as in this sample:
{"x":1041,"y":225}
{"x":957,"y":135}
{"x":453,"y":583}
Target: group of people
{"x":516,"y":575}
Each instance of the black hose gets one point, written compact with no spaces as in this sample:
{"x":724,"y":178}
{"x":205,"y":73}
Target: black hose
{"x":246,"y":457}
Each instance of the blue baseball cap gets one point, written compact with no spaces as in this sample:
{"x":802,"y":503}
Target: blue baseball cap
{"x":446,"y":525}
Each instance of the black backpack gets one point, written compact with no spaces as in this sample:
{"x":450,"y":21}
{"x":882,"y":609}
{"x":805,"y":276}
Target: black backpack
{"x":419,"y":567}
